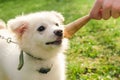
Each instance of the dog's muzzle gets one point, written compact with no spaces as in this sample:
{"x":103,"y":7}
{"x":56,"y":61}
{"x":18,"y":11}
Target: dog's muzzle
{"x":58,"y":41}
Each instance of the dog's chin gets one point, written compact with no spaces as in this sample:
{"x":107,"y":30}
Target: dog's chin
{"x":56,"y":42}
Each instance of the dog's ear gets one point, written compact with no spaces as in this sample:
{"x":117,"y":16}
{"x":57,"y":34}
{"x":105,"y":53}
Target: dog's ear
{"x":18,"y":26}
{"x":58,"y":15}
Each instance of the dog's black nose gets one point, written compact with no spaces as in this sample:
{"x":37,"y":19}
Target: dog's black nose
{"x":58,"y":33}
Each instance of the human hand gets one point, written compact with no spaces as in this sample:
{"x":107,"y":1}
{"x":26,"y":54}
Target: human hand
{"x":104,"y":9}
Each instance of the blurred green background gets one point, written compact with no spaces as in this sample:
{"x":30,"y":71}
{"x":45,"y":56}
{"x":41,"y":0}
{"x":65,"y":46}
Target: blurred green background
{"x":94,"y":51}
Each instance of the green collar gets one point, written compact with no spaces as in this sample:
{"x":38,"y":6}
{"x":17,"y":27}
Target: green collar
{"x":34,"y":57}
{"x":21,"y":59}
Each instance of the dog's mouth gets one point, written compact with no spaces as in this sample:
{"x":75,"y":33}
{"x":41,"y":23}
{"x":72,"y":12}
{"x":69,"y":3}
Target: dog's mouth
{"x":56,"y":42}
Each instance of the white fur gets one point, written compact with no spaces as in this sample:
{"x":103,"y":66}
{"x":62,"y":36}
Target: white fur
{"x":2,"y":24}
{"x":33,"y":42}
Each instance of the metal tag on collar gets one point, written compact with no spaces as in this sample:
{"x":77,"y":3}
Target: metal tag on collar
{"x":21,"y":61}
{"x":44,"y":70}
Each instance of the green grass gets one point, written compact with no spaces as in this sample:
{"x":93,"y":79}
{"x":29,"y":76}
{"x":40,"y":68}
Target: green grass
{"x":94,"y":52}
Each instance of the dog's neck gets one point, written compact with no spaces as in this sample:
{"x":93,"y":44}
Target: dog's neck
{"x":42,"y":70}
{"x":21,"y":58}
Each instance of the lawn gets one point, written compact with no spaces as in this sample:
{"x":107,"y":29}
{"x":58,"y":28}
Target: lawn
{"x":94,"y":51}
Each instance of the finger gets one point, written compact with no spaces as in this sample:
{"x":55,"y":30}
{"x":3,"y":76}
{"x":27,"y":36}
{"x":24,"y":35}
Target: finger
{"x":115,"y":10}
{"x":106,"y":13}
{"x":115,"y":13}
{"x":100,"y":14}
{"x":95,"y":10}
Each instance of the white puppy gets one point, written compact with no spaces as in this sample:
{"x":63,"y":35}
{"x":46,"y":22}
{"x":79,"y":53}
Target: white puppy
{"x":40,"y":37}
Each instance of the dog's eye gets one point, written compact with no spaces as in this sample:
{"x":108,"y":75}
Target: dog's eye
{"x":41,"y":28}
{"x":56,"y":24}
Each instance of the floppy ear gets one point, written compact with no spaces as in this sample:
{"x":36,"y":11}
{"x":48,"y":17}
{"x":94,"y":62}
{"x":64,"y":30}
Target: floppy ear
{"x":18,"y":26}
{"x":59,"y":15}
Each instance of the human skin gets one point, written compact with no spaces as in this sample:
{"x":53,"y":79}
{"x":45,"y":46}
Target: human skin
{"x":104,"y":9}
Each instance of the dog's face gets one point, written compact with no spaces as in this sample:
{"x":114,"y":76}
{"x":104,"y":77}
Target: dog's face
{"x":47,"y":32}
{"x":39,"y":32}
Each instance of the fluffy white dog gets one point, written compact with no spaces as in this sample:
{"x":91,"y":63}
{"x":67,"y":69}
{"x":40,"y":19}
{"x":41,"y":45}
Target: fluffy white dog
{"x":39,"y":38}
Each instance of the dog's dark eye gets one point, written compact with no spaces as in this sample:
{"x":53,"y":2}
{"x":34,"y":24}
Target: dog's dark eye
{"x":41,"y":28}
{"x":56,"y":24}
